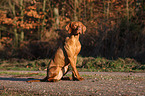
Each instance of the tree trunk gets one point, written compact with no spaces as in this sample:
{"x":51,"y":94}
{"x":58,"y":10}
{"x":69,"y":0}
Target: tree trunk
{"x":22,"y":20}
{"x":127,"y":11}
{"x":0,"y":35}
{"x":108,"y":9}
{"x":43,"y":21}
{"x":85,"y":9}
{"x":50,"y":8}
{"x":15,"y":24}
{"x":75,"y":10}
{"x":104,"y":8}
{"x":56,"y":16}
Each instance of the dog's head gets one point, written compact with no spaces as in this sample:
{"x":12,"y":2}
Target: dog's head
{"x":76,"y":28}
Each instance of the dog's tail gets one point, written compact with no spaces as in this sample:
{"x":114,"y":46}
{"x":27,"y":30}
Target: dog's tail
{"x":33,"y":81}
{"x":43,"y":80}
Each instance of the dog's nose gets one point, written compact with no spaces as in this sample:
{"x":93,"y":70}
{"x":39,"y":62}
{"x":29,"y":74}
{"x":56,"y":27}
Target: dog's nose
{"x":79,"y":28}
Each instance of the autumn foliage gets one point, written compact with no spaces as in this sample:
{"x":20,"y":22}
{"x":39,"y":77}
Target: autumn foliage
{"x":115,"y":28}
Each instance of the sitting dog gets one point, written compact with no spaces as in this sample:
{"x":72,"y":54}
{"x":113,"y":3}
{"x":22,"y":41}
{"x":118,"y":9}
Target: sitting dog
{"x":66,"y":55}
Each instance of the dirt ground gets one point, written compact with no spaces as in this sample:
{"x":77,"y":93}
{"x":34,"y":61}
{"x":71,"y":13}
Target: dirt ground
{"x":95,"y":83}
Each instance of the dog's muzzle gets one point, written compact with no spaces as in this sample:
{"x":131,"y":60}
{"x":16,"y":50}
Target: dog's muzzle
{"x":79,"y":28}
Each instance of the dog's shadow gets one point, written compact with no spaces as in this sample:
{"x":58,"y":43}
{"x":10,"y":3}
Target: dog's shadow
{"x":27,"y":79}
{"x":16,"y":79}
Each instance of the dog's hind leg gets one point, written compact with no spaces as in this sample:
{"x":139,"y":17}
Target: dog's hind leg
{"x":65,"y":70}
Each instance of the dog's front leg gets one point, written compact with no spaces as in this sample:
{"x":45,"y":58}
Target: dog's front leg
{"x":75,"y":73}
{"x":72,"y":59}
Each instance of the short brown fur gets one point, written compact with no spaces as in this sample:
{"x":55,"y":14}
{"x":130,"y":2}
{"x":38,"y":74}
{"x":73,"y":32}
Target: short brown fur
{"x":66,"y":55}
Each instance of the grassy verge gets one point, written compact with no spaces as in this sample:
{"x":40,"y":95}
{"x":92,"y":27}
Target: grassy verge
{"x":25,"y":65}
{"x":104,"y":65}
{"x":19,"y":74}
{"x":83,"y":64}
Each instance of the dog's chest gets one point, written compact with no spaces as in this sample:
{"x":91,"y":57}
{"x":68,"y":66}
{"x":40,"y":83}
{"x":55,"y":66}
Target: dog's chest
{"x":73,"y":44}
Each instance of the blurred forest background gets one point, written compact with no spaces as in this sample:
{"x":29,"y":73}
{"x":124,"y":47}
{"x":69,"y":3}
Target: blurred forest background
{"x":33,"y":29}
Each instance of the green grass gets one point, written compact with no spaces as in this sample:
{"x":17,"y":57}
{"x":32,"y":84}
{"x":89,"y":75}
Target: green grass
{"x":24,"y":65}
{"x":22,"y":74}
{"x":83,"y":64}
{"x":105,"y":65}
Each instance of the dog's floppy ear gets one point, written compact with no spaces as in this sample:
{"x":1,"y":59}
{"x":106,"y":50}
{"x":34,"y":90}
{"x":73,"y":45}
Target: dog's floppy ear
{"x":68,"y":28}
{"x":84,"y":28}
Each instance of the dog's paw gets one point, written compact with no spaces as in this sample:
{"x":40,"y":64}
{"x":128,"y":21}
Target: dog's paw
{"x":78,"y":79}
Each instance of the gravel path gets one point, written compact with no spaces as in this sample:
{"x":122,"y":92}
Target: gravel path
{"x":95,"y":83}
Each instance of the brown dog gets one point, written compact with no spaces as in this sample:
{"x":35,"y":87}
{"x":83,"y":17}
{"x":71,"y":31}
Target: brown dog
{"x":66,"y":55}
